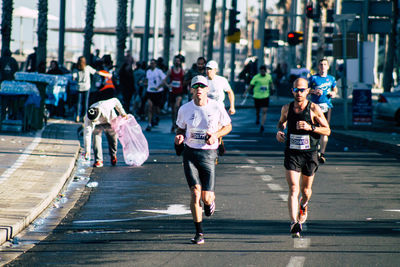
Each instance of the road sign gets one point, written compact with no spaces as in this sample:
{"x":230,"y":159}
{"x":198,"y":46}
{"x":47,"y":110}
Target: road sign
{"x":375,"y":8}
{"x":375,"y":26}
{"x":191,"y":22}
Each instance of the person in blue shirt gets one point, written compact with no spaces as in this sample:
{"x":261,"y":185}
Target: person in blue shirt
{"x":323,"y":89}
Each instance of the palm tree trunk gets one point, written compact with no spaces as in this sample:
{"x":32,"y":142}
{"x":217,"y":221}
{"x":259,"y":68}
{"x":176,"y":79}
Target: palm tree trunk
{"x":88,"y":35}
{"x":6,"y":25}
{"x":122,"y":31}
{"x":389,"y":59}
{"x":42,"y":33}
{"x":167,"y":30}
{"x":211,"y":30}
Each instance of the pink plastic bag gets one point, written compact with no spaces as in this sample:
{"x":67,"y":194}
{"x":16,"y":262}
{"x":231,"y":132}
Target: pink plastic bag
{"x":134,"y":143}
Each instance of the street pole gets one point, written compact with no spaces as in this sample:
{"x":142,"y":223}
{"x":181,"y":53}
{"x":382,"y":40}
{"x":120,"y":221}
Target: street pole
{"x":261,"y":33}
{"x":344,"y":77}
{"x":131,"y":27}
{"x":145,"y":47}
{"x":155,"y":30}
{"x":233,"y":50}
{"x":222,"y":40}
{"x":61,"y":33}
{"x":180,"y":26}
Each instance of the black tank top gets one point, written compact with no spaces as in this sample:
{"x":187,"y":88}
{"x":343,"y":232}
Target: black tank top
{"x":300,"y":140}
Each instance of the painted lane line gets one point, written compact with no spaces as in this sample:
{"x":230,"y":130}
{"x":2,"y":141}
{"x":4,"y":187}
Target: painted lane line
{"x":21,"y":159}
{"x":244,"y":167}
{"x":284,"y":197}
{"x":296,"y":261}
{"x":275,"y":187}
{"x":392,"y":210}
{"x":251,"y":161}
{"x":301,"y":242}
{"x":260,"y":169}
{"x":266,"y":178}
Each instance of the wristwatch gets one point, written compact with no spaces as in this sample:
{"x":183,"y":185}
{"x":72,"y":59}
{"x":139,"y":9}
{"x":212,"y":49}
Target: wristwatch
{"x":312,"y":127}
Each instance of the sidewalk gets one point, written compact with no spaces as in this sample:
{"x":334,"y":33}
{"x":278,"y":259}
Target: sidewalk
{"x":39,"y":168}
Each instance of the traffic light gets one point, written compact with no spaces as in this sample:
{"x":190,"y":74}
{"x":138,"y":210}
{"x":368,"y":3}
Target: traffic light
{"x":310,"y":11}
{"x":294,"y":38}
{"x":233,"y":21}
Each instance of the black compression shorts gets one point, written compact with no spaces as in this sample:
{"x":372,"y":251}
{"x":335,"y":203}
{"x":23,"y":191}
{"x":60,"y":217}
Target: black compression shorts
{"x":304,"y":162}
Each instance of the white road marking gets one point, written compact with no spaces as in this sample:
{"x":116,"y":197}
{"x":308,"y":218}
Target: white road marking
{"x":284,"y":197}
{"x":301,"y":242}
{"x":296,"y":261}
{"x":251,"y":161}
{"x":18,"y":163}
{"x":275,"y":187}
{"x":260,"y":169}
{"x":244,"y":167}
{"x":266,"y":178}
{"x":392,"y":210}
{"x":176,"y":209}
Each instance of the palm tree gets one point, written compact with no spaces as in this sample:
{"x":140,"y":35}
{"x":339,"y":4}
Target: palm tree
{"x":90,"y":12}
{"x":391,"y":50}
{"x":122,"y":31}
{"x":167,"y":30}
{"x":42,"y":33}
{"x":6,"y":25}
{"x":323,"y":5}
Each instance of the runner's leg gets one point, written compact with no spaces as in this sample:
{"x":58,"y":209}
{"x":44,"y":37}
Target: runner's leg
{"x":293,"y":180}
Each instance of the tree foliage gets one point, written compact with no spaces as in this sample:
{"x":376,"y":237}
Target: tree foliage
{"x":121,"y":31}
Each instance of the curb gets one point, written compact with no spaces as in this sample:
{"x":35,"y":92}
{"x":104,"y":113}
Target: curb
{"x":54,"y":178}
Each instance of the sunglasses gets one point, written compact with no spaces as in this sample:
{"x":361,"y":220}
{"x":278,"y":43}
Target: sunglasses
{"x":301,"y":90}
{"x":199,"y":85}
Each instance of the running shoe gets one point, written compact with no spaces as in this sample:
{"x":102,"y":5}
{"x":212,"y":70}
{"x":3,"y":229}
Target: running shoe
{"x":209,"y":209}
{"x":303,"y":213}
{"x":148,"y":128}
{"x":114,"y":160}
{"x":295,"y":229}
{"x":198,"y":239}
{"x":261,"y":129}
{"x":98,"y":164}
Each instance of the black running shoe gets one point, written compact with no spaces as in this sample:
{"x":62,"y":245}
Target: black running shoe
{"x":295,"y":229}
{"x":198,"y":239}
{"x":209,"y":209}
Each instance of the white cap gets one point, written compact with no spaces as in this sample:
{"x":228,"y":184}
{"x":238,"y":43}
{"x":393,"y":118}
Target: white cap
{"x":212,"y":64}
{"x":199,"y":79}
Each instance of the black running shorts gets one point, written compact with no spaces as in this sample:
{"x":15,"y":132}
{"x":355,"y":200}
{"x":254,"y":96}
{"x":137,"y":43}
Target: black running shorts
{"x":199,"y":167}
{"x":261,"y":102}
{"x":304,"y":162}
{"x":155,"y":98}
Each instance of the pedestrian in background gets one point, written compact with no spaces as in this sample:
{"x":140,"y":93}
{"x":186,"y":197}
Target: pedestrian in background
{"x":323,"y":89}
{"x":201,"y":122}
{"x":126,"y":82}
{"x":263,"y":86}
{"x":97,"y":120}
{"x":82,"y":75}
{"x":154,"y":95}
{"x":8,"y":66}
{"x":139,"y":76}
{"x":304,"y":122}
{"x":175,"y":85}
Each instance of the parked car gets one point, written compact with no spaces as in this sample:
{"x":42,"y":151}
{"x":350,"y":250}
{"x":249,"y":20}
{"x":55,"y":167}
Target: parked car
{"x":388,"y":106}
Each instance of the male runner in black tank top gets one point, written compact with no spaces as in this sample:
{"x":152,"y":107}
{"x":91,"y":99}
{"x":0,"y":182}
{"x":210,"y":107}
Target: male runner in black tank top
{"x":304,"y":122}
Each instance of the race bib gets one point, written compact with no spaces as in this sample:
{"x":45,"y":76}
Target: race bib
{"x":324,"y":107}
{"x":300,"y":142}
{"x":176,"y":84}
{"x":197,"y":136}
{"x":263,"y":88}
{"x":152,"y":89}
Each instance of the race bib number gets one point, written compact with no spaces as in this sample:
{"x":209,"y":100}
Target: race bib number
{"x":152,"y":89}
{"x":324,"y":107}
{"x":300,"y":142}
{"x":197,"y":136}
{"x":263,"y":88}
{"x":176,"y":84}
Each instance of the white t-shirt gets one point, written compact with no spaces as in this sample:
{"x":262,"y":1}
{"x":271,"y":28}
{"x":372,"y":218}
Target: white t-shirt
{"x":154,"y":78}
{"x":197,"y":120}
{"x":218,"y":86}
{"x":107,"y":114}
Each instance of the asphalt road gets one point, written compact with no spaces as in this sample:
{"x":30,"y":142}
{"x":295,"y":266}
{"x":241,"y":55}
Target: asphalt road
{"x":140,"y":216}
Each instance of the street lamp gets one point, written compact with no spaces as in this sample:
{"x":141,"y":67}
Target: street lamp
{"x":342,"y":21}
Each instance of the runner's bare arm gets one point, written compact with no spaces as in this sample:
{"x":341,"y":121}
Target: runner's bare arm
{"x":231,"y":97}
{"x":280,"y":135}
{"x":180,"y":136}
{"x":221,"y":132}
{"x":319,"y":117}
